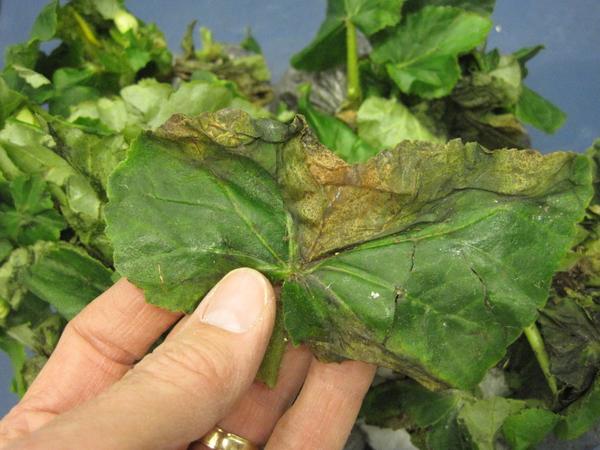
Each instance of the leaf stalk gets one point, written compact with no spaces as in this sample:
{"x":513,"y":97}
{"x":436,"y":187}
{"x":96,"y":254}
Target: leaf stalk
{"x":354,"y":92}
{"x":539,"y":349}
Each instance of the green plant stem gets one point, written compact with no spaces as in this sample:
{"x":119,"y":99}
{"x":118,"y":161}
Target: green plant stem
{"x":539,"y":349}
{"x":86,"y":29}
{"x":354,"y":94}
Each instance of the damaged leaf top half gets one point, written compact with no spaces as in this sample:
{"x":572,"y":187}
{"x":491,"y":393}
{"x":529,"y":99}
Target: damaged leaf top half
{"x":429,"y":258}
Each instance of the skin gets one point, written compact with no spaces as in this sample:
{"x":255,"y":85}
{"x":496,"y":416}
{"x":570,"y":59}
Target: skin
{"x":100,"y":388}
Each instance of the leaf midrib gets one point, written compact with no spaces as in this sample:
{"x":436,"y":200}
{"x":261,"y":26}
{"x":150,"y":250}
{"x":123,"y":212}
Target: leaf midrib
{"x":238,"y":210}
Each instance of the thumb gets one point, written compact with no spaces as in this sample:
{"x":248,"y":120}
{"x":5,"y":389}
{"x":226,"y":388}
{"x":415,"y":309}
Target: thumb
{"x":179,"y":392}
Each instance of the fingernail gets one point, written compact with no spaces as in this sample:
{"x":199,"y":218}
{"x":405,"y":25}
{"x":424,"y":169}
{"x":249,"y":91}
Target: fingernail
{"x":237,"y":302}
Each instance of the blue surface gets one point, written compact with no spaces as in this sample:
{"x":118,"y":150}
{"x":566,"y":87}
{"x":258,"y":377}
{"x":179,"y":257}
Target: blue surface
{"x":567,"y":72}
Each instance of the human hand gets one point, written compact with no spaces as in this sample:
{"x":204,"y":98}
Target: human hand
{"x":94,"y":394}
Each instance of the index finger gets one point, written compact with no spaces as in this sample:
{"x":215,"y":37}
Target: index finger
{"x":96,"y":349}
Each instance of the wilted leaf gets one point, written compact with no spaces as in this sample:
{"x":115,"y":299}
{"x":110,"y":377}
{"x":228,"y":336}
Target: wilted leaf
{"x":247,"y":69}
{"x":572,"y":337}
{"x":499,"y":87}
{"x":570,"y":323}
{"x":101,"y":37}
{"x":28,"y":320}
{"x":491,"y":130}
{"x":5,"y":249}
{"x":32,"y":368}
{"x":425,"y":259}
{"x":25,"y":54}
{"x":582,"y":415}
{"x":525,"y":54}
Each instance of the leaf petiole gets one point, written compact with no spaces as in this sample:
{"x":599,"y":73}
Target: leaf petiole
{"x":86,"y":29}
{"x":539,"y":349}
{"x":354,"y":94}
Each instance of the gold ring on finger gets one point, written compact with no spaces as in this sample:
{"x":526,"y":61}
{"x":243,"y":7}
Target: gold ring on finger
{"x":219,"y":439}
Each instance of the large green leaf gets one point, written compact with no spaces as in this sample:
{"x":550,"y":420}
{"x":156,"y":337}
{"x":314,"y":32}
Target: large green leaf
{"x":328,"y":48}
{"x":234,"y":204}
{"x":429,"y":259}
{"x":455,"y":278}
{"x":421,"y":55}
{"x":384,"y":123}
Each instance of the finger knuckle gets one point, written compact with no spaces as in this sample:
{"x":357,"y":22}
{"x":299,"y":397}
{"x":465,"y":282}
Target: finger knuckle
{"x":190,"y":367}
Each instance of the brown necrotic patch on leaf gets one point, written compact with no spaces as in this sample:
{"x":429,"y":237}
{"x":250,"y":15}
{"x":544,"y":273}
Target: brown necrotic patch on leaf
{"x":339,"y":205}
